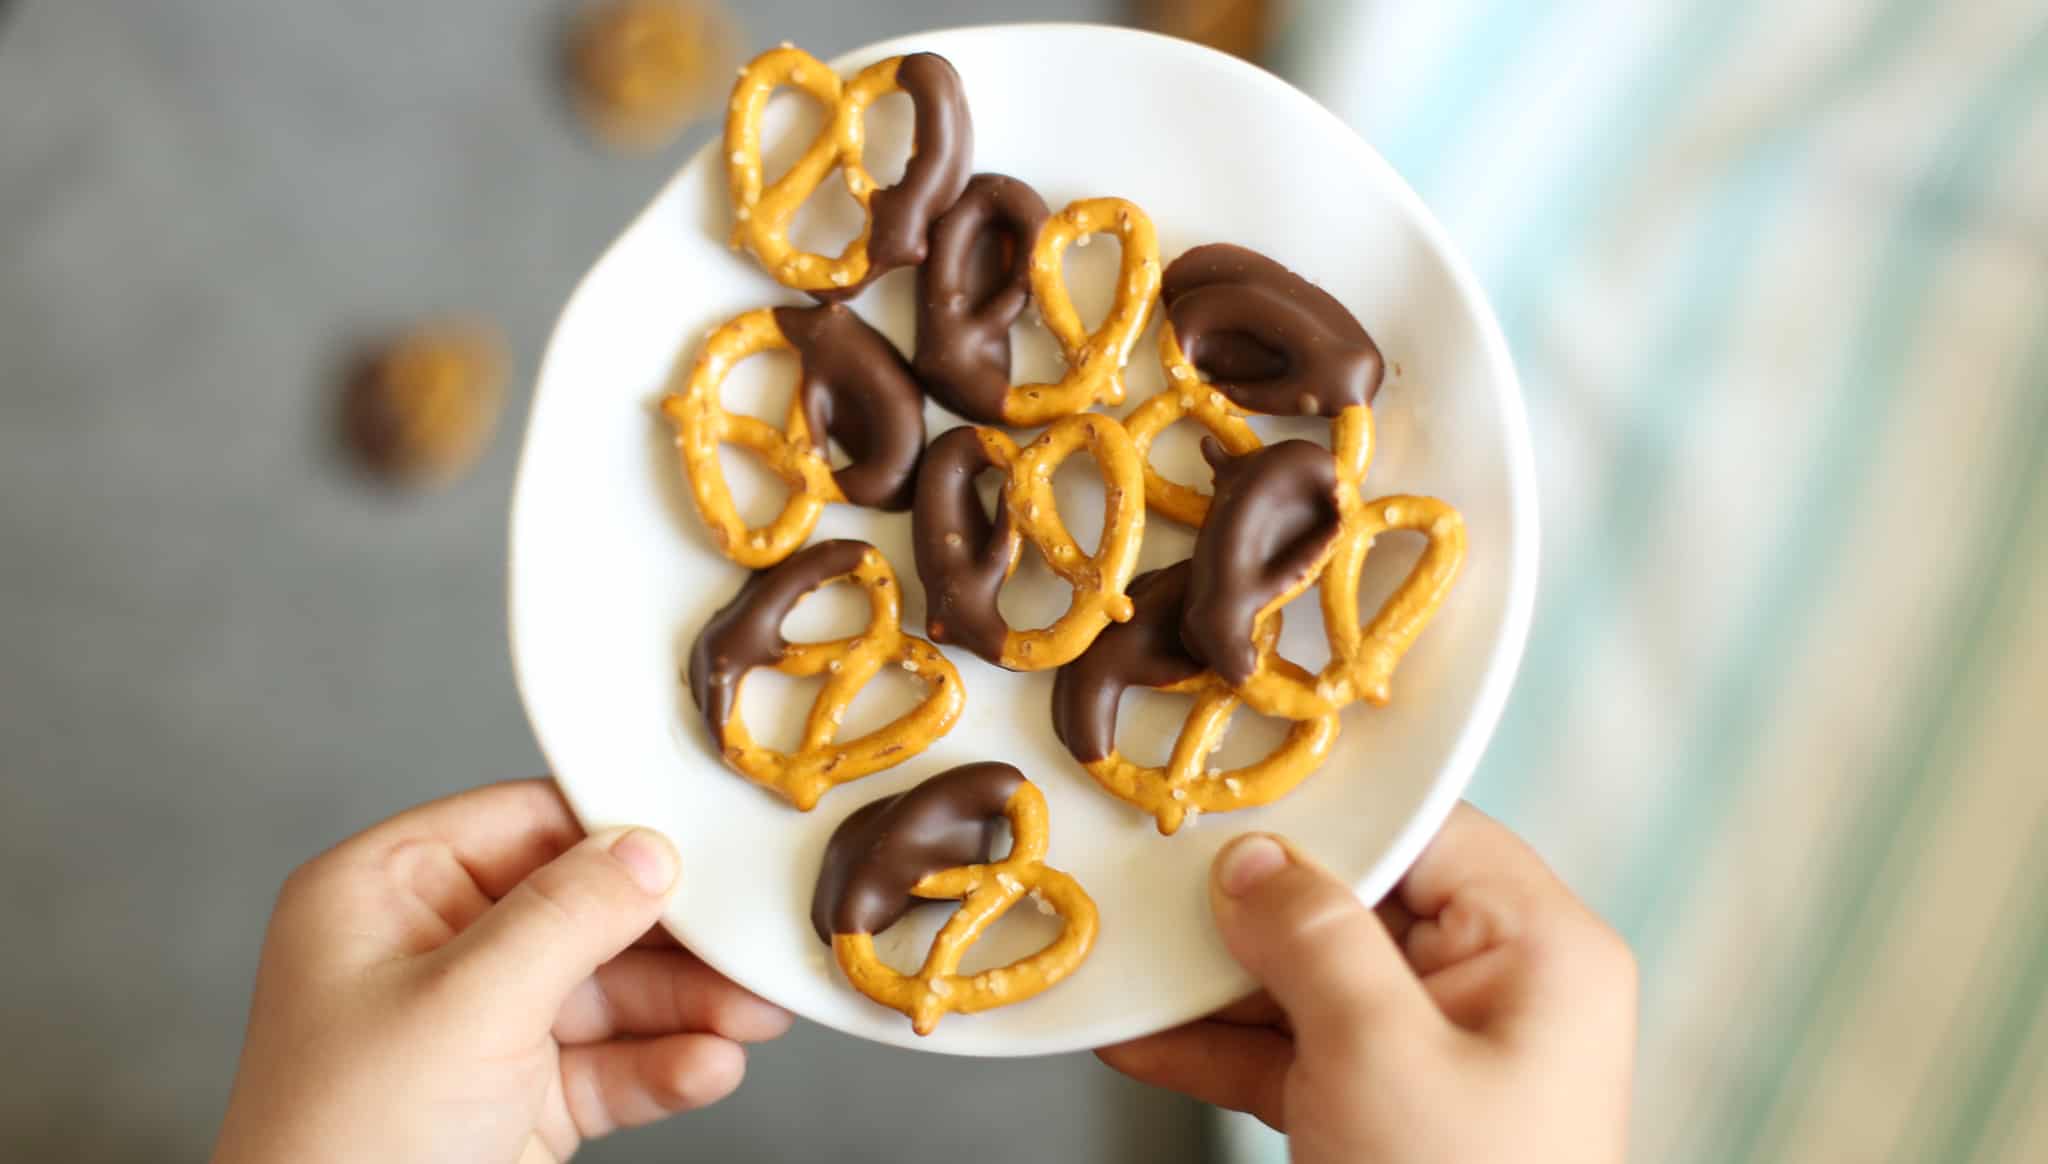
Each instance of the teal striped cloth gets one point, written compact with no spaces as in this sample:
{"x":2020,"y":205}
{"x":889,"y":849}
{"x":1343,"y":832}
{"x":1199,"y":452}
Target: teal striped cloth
{"x":1776,"y":279}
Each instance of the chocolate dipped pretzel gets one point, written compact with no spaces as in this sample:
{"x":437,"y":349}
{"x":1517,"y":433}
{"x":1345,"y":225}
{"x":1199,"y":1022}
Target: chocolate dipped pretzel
{"x":897,"y":217}
{"x":966,"y":305}
{"x":747,"y":633}
{"x":972,"y":288}
{"x":1147,"y":652}
{"x":1287,"y":517}
{"x":854,"y":387}
{"x":964,"y":558}
{"x":935,"y":843}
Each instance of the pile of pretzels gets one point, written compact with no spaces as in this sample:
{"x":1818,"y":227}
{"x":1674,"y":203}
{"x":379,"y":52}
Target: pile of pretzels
{"x":1241,"y":335}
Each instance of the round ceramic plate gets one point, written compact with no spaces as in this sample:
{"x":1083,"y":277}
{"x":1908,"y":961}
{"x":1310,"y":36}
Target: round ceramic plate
{"x":612,"y":573}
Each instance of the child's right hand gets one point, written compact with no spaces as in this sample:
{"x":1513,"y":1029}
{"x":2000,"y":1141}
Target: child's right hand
{"x":1484,"y":1015}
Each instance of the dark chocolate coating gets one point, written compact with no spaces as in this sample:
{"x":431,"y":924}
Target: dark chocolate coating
{"x":857,"y":389}
{"x":1273,"y":515}
{"x":963,"y":558}
{"x":747,"y":632}
{"x":966,"y":303}
{"x":884,"y":848}
{"x":941,"y":157}
{"x":1144,"y":652}
{"x":1269,"y":339}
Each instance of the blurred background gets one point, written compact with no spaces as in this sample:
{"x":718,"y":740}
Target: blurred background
{"x":273,"y":281}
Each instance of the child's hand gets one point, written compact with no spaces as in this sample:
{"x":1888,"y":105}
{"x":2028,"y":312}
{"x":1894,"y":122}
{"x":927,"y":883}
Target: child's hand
{"x":467,"y":981}
{"x":1484,"y":1016}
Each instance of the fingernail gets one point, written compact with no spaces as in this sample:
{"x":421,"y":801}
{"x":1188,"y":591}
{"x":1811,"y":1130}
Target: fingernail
{"x":1248,"y":861}
{"x":649,"y":857}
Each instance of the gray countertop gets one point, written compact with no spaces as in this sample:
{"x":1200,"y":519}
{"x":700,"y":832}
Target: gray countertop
{"x":219,"y":650}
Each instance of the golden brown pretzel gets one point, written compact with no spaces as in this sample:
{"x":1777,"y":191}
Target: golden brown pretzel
{"x":1095,"y":360}
{"x":985,"y":891}
{"x":747,"y":633}
{"x":890,"y":236}
{"x":963,"y":559}
{"x":642,"y":69}
{"x":1147,"y":652}
{"x":854,"y":387}
{"x":1362,"y":660}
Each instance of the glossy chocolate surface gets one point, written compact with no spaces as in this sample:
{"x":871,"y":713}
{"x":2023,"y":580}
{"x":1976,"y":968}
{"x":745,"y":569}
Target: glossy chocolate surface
{"x":747,"y":632}
{"x":1273,"y":518}
{"x":877,"y":854}
{"x":963,"y":557}
{"x":971,"y":289}
{"x":1144,"y":652}
{"x":857,"y":389}
{"x":1267,"y":338}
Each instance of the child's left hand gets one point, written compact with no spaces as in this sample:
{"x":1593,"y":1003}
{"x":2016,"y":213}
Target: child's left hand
{"x":473,"y":980}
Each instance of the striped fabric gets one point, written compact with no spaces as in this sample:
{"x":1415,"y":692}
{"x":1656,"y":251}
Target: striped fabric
{"x":1776,"y":277}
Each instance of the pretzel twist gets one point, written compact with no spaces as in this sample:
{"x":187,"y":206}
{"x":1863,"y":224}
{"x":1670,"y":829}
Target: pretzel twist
{"x":820,"y":763}
{"x":1032,"y":514}
{"x":985,"y":893}
{"x":1147,"y":652}
{"x":1362,"y":661}
{"x":1095,"y":360}
{"x":762,"y":215}
{"x":791,"y":452}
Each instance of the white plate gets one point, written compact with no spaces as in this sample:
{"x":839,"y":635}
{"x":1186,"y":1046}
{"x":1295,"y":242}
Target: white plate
{"x":611,"y":573}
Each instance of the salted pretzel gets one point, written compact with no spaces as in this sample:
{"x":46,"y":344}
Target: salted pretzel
{"x":1095,"y":360}
{"x":965,"y":311}
{"x":964,"y":558}
{"x":747,"y":633}
{"x":1287,"y":517}
{"x":1147,"y":652}
{"x":896,"y":217}
{"x":932,"y":843}
{"x":854,"y":387}
{"x":1245,"y":335}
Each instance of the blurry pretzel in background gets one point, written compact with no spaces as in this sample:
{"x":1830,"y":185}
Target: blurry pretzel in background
{"x":641,"y":70}
{"x":1242,"y":28}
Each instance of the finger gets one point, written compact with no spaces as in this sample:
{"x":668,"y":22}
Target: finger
{"x":1473,"y":847}
{"x":1396,"y":917}
{"x":1322,"y":955}
{"x":574,"y":914}
{"x":499,"y":833}
{"x":1504,"y":946}
{"x":1256,"y":1009}
{"x":437,"y":898}
{"x":609,"y":1086}
{"x":1241,"y":1068}
{"x":657,"y":938}
{"x":664,"y":992}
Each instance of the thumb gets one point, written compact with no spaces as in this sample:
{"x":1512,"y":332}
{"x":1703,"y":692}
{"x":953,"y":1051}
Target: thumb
{"x":1325,"y":958}
{"x":567,"y":918}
